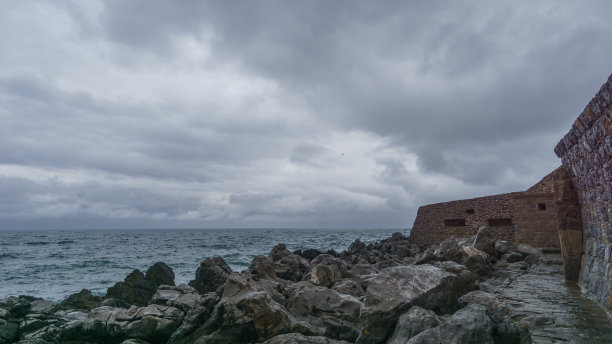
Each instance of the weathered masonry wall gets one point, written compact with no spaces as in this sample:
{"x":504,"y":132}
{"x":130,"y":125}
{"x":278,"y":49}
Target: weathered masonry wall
{"x":535,"y":221}
{"x":436,"y":222}
{"x":586,"y":153}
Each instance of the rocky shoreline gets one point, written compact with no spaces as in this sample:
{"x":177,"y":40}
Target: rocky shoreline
{"x":389,"y":292}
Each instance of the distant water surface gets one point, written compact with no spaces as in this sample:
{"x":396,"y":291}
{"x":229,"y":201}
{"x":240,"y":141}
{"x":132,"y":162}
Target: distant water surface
{"x":55,"y":263}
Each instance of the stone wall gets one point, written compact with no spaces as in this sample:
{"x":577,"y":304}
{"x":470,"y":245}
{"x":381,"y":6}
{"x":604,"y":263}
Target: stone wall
{"x":535,"y":220}
{"x":436,"y":222}
{"x":586,"y":154}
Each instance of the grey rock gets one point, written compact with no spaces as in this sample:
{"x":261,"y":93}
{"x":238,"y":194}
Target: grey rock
{"x":308,"y":254}
{"x":415,"y":321}
{"x":81,"y":300}
{"x":135,"y":289}
{"x":160,"y":273}
{"x":392,"y":292}
{"x":466,"y":279}
{"x":262,"y":268}
{"x":356,"y":247}
{"x":278,"y":252}
{"x":291,"y":267}
{"x":485,"y":242}
{"x":154,"y":323}
{"x":182,"y":297}
{"x":512,"y":257}
{"x":332,"y":314}
{"x":296,"y":338}
{"x":349,"y":287}
{"x":476,"y":261}
{"x":41,"y":306}
{"x":8,"y":331}
{"x":246,"y":317}
{"x":502,"y":247}
{"x":468,"y":325}
{"x":210,"y":275}
{"x":192,"y":327}
{"x":532,"y":254}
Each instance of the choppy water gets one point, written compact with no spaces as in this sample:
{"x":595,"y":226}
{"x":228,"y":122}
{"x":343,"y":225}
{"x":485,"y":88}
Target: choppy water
{"x":54,"y":264}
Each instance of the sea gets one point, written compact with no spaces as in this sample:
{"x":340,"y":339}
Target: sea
{"x":53,"y":264}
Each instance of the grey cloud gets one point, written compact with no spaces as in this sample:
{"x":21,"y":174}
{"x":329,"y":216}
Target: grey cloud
{"x":480,"y":92}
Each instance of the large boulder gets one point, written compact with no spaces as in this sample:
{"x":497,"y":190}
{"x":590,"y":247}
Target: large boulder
{"x":135,"y":289}
{"x":394,"y":290}
{"x":193,"y":327}
{"x":356,"y":247}
{"x":262,"y":268}
{"x":484,"y":241}
{"x":160,"y":273}
{"x":297,"y":338}
{"x":413,"y":322}
{"x":468,"y":325}
{"x":182,"y":297}
{"x":210,"y":275}
{"x":349,"y":287}
{"x":246,"y":317}
{"x":154,"y":323}
{"x":330,"y":313}
{"x":327,"y":270}
{"x":81,"y":300}
{"x":291,"y":267}
{"x":278,"y":252}
{"x":476,"y":261}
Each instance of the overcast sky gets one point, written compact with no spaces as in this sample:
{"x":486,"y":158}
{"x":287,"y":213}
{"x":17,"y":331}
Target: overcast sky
{"x":121,"y":114}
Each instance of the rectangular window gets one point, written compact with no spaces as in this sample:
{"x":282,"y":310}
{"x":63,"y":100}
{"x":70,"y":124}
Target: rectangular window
{"x":499,"y":222}
{"x":454,"y":223}
{"x":541,"y":206}
{"x":469,"y":211}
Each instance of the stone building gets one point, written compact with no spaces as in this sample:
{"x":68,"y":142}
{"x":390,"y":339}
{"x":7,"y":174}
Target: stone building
{"x":570,"y":209}
{"x":528,"y":217}
{"x":586,"y":154}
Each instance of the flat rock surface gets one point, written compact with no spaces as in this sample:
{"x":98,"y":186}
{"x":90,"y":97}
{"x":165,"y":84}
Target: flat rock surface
{"x":555,"y":311}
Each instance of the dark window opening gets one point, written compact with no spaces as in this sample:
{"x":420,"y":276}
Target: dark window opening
{"x":454,"y":223}
{"x":469,"y":211}
{"x":499,"y":222}
{"x":541,"y":206}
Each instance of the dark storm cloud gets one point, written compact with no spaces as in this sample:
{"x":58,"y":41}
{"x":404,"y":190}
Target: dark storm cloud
{"x":220,"y":113}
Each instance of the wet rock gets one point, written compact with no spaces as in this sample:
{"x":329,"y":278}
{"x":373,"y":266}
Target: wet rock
{"x":112,"y":302}
{"x":502,"y":247}
{"x":247,"y":317}
{"x":468,"y":325}
{"x":291,"y":267}
{"x":161,"y":274}
{"x":476,"y":261}
{"x":154,"y":323}
{"x":17,"y":307}
{"x":308,"y":254}
{"x":210,"y":275}
{"x":8,"y":331}
{"x":512,"y":257}
{"x":278,"y":252}
{"x":332,"y":314}
{"x":182,"y":297}
{"x":349,"y":287}
{"x":485,"y":243}
{"x":532,"y":254}
{"x":466,"y":279}
{"x":362,"y":269}
{"x":327,"y":270}
{"x":415,"y":321}
{"x":296,"y":338}
{"x":393,"y":291}
{"x":135,"y":289}
{"x":81,"y":300}
{"x":193,"y":326}
{"x":356,"y":247}
{"x":262,"y":268}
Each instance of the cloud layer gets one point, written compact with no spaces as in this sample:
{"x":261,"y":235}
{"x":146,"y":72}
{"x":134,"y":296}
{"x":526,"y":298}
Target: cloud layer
{"x":272,"y":113}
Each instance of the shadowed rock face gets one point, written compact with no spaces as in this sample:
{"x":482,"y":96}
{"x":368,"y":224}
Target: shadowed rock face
{"x":161,"y":274}
{"x":211,"y":274}
{"x":135,"y":289}
{"x":81,"y":300}
{"x":394,"y":290}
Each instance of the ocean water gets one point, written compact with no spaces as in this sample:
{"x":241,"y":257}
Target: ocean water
{"x":53,"y":264}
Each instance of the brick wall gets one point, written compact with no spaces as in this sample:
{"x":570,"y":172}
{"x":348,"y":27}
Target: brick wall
{"x":586,"y":153}
{"x":430,"y":225}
